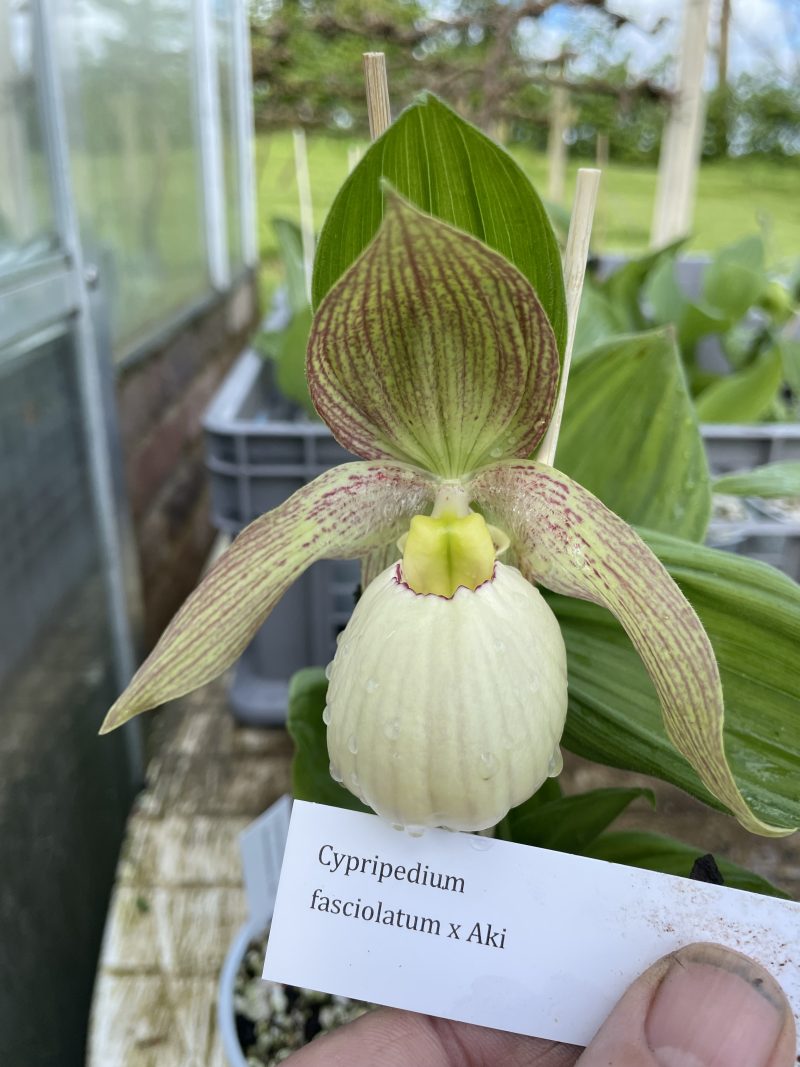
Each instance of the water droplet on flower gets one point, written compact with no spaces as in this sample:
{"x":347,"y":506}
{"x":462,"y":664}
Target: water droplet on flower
{"x":487,"y":765}
{"x":329,"y":670}
{"x":496,"y":453}
{"x":396,"y":756}
{"x":335,"y":773}
{"x":556,"y":764}
{"x":354,"y":780}
{"x":499,"y":645}
{"x":391,"y":729}
{"x":326,"y":715}
{"x":415,"y":831}
{"x":371,"y":685}
{"x":481,"y":844}
{"x":352,"y":744}
{"x":577,"y":554}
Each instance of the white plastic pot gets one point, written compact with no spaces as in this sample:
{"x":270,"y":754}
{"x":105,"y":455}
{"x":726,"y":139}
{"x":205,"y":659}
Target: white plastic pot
{"x":226,"y":1016}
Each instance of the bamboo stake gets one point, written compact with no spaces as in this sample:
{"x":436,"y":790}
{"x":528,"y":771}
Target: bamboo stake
{"x":602,"y":149}
{"x":380,"y":115}
{"x":580,"y":232}
{"x":680,"y":147}
{"x":306,"y":207}
{"x":560,"y":117}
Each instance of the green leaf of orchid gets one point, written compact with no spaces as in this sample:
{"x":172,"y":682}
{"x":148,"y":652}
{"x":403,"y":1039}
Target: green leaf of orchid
{"x":736,"y":277}
{"x":598,"y":320}
{"x":771,"y":481}
{"x":655,"y":852}
{"x":623,"y":287}
{"x":790,"y":358}
{"x":344,"y":513}
{"x":432,"y":349}
{"x":669,"y":306}
{"x":630,"y":435}
{"x":751,"y":613}
{"x":311,"y":777}
{"x":451,"y":170}
{"x":567,"y":540}
{"x":745,"y":396}
{"x":289,"y":352}
{"x":571,"y":824}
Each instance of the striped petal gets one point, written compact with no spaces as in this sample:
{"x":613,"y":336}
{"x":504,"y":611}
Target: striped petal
{"x":432,"y":349}
{"x":346,"y":512}
{"x":568,"y":541}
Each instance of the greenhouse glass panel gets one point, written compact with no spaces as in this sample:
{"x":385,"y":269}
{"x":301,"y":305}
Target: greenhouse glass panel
{"x":27,"y":228}
{"x":232,"y":162}
{"x":128,"y":71}
{"x":63,"y":797}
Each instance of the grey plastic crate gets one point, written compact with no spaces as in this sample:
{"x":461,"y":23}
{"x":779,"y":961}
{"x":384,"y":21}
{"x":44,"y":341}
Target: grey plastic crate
{"x":260,"y":450}
{"x":734,"y":447}
{"x":776,"y":543}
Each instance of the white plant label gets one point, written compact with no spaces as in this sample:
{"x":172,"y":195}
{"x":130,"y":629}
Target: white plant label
{"x":488,"y":932}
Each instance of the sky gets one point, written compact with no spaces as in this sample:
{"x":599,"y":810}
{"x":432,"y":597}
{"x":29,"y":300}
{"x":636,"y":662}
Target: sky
{"x":764,"y":35}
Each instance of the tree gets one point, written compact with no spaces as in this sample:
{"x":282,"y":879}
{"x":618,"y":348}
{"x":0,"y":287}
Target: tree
{"x":307,"y":69}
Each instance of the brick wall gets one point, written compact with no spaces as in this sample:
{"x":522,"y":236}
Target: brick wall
{"x":161,"y":399}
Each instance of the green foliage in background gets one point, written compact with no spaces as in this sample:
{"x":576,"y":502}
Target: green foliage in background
{"x":742,"y":303}
{"x":772,"y":481}
{"x":286,"y":344}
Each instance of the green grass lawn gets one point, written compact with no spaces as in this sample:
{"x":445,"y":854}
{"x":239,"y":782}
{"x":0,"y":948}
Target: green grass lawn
{"x":734,"y":198}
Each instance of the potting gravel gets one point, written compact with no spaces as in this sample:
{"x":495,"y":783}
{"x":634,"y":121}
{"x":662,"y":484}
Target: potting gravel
{"x":274,"y":1020}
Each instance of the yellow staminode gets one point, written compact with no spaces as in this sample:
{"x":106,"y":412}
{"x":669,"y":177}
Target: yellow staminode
{"x":441,"y":554}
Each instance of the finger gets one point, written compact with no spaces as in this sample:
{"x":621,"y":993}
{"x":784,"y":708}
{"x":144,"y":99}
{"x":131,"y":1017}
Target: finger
{"x":703,"y":1006}
{"x":389,"y":1038}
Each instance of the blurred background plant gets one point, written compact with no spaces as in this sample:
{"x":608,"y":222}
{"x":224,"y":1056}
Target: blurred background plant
{"x":730,"y":315}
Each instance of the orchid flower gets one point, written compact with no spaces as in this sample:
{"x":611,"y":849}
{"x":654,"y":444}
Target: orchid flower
{"x":433,"y":359}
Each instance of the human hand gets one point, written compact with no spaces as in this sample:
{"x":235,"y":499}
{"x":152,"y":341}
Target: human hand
{"x":703,"y":1006}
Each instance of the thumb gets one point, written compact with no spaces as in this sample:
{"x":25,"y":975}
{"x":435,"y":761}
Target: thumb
{"x":703,"y":1006}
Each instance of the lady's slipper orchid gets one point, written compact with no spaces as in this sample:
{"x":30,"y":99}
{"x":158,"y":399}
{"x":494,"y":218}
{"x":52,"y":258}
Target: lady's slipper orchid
{"x":433,"y":359}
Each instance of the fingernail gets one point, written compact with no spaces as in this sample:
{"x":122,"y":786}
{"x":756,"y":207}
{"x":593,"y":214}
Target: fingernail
{"x":715,"y":1008}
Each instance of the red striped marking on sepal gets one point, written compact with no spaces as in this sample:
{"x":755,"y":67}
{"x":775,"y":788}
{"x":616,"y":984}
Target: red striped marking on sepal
{"x":345,"y":513}
{"x":432,"y":349}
